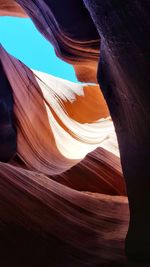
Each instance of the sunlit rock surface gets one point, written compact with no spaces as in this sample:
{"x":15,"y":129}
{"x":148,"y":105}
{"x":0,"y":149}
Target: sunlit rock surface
{"x":84,"y":233}
{"x":58,"y":123}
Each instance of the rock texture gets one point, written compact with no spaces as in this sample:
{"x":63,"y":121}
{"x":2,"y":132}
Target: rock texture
{"x":74,"y":35}
{"x":77,"y":216}
{"x":70,"y":119}
{"x":7,"y":127}
{"x":123,"y":75}
{"x":78,"y":45}
{"x":54,"y":224}
{"x":58,"y":123}
{"x":11,"y":8}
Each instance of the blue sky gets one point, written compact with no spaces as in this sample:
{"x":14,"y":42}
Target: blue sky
{"x":21,"y":39}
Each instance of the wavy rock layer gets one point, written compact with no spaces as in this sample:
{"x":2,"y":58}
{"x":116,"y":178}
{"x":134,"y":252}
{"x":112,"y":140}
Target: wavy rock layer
{"x":71,"y":212}
{"x":11,"y":8}
{"x":77,"y":45}
{"x":124,"y":77}
{"x":84,"y":228}
{"x":69,"y":118}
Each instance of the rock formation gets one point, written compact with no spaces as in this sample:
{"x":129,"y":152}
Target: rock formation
{"x":11,"y":8}
{"x":79,"y":215}
{"x":7,"y":125}
{"x":58,"y":122}
{"x":123,"y":75}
